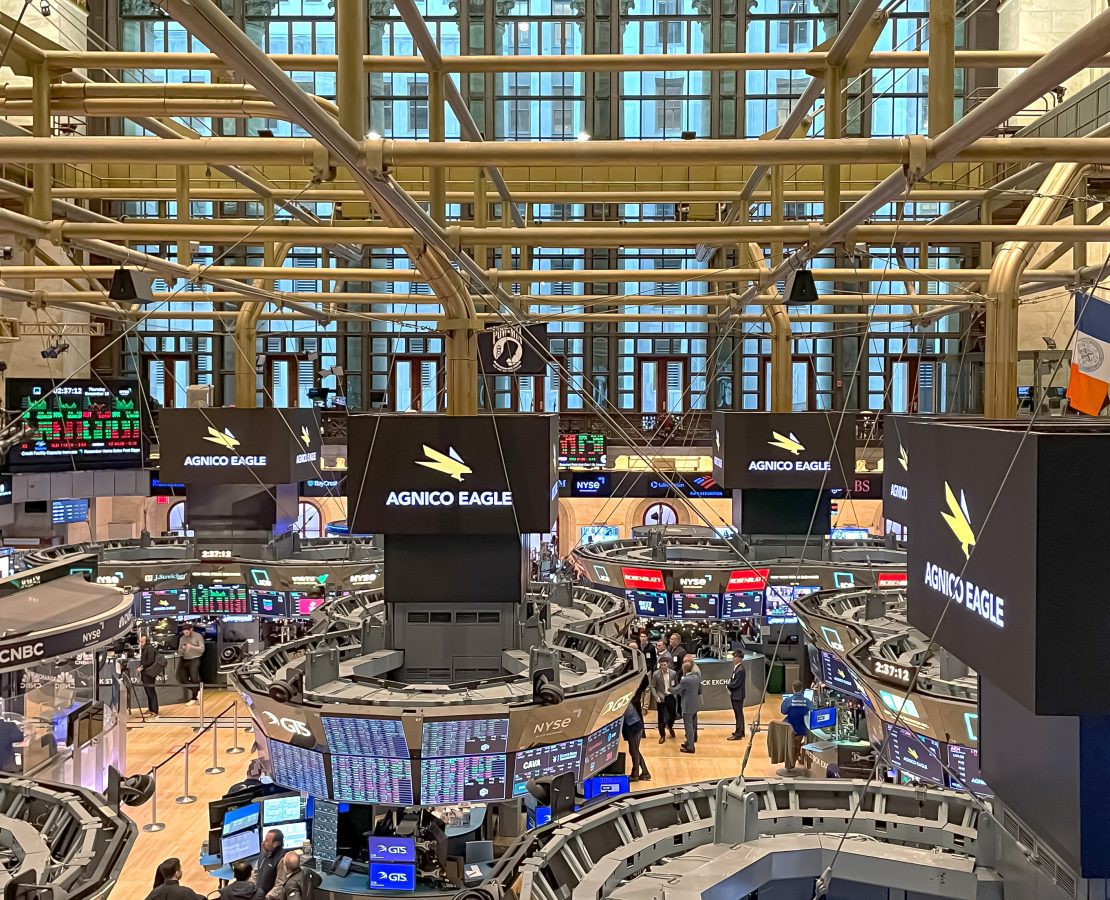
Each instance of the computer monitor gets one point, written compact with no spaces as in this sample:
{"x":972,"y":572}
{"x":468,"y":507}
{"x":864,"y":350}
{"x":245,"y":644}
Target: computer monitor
{"x":295,"y":834}
{"x":822,"y":718}
{"x":243,"y":817}
{"x":241,"y":845}
{"x":287,"y":808}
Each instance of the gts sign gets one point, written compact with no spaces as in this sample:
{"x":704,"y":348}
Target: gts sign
{"x":290,"y":726}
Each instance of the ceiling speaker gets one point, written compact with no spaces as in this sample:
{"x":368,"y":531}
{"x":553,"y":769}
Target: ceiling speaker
{"x":131,"y":286}
{"x":800,"y":288}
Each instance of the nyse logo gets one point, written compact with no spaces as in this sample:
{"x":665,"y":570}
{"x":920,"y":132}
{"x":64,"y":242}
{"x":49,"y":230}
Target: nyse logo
{"x":551,"y":727}
{"x":125,"y":620}
{"x":291,"y":726}
{"x":89,"y":637}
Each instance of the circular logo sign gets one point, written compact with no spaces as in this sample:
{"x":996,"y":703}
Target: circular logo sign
{"x":1088,"y":355}
{"x":508,"y":350}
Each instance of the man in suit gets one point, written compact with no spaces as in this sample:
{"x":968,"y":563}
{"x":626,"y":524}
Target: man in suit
{"x":666,"y":707}
{"x":737,"y":684}
{"x":688,"y":692}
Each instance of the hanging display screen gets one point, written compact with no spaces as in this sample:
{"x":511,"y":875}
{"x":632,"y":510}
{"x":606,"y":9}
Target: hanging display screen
{"x":76,"y":424}
{"x":582,"y":451}
{"x":220,"y":595}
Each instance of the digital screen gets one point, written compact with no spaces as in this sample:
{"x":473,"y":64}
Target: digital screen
{"x":294,"y":834}
{"x":81,"y":424}
{"x":605,"y":786}
{"x":464,"y":737}
{"x":601,"y":748}
{"x":267,"y":603}
{"x":276,"y":810}
{"x":64,"y":511}
{"x":652,"y":604}
{"x":392,"y":876}
{"x":837,"y":675}
{"x":964,"y":763}
{"x":362,"y":779}
{"x":780,"y":597}
{"x":913,"y":755}
{"x":742,"y":605}
{"x":392,"y":849}
{"x":305,"y":604}
{"x":325,"y":487}
{"x":366,"y":737}
{"x":463,"y":779}
{"x":298,"y":768}
{"x":219,"y":598}
{"x":163,"y":604}
{"x":694,"y":606}
{"x":596,"y":534}
{"x":592,"y":484}
{"x":325,"y":830}
{"x":539,"y":762}
{"x":582,"y":451}
{"x":243,"y":817}
{"x":849,"y":534}
{"x":243,"y":845}
{"x":822,"y":718}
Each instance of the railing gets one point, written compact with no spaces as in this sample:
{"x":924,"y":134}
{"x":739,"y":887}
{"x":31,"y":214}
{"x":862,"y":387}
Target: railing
{"x":184,"y":751}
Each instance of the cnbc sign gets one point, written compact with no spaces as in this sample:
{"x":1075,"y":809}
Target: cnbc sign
{"x":238,"y":446}
{"x":452,"y":474}
{"x":1008,"y":527}
{"x":784,"y":450}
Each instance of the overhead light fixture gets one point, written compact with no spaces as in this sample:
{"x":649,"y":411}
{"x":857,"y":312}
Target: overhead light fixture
{"x":800,"y":288}
{"x":582,"y":136}
{"x":56,"y":348}
{"x":1049,"y":342}
{"x":44,"y":7}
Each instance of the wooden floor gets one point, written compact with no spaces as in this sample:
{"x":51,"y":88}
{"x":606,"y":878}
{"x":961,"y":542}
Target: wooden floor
{"x":187,"y":825}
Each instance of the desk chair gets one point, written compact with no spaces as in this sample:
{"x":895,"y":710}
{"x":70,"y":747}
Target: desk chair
{"x":478,"y":865}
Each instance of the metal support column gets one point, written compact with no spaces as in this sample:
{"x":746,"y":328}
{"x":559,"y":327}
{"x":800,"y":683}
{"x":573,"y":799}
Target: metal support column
{"x":41,"y":175}
{"x":437,"y":131}
{"x":942,"y":64}
{"x":834,"y":127}
{"x":184,"y":204}
{"x":350,"y":84}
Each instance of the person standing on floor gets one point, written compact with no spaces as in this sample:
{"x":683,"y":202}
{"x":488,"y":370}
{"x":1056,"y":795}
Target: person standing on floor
{"x":151,"y":665}
{"x":167,"y":883}
{"x":190,"y":646}
{"x":632,"y":729}
{"x":688,"y":693}
{"x":737,"y":685}
{"x":660,"y":683}
{"x":269,"y":860}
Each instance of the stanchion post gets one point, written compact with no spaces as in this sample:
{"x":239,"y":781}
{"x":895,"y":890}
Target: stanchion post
{"x":215,"y":768}
{"x":235,"y":729}
{"x":186,"y":797}
{"x":200,"y":704}
{"x":154,"y":824}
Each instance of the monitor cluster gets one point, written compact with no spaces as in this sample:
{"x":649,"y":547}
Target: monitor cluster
{"x":775,"y":602}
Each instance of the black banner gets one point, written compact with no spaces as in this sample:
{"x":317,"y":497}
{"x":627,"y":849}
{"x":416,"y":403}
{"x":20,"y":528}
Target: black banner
{"x":238,"y":446}
{"x":483,"y":474}
{"x":896,"y":469}
{"x":783,"y":450}
{"x":507,"y":349}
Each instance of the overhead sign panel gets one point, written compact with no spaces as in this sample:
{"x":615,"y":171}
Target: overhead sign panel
{"x":896,"y":469}
{"x":783,"y":450}
{"x":452,"y":474}
{"x":238,"y":446}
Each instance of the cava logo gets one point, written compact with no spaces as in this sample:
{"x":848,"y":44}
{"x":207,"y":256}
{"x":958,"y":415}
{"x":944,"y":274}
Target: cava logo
{"x":453,"y":466}
{"x":223,"y":439}
{"x":959,"y":520}
{"x":790,"y":444}
{"x":903,"y":459}
{"x":450,"y":464}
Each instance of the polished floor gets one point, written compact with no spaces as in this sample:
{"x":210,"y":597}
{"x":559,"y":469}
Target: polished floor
{"x":187,"y":824}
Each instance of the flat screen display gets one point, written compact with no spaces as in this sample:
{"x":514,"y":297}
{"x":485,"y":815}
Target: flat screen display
{"x":837,"y":675}
{"x":392,"y":849}
{"x":217,"y":597}
{"x":779,"y":598}
{"x":785,"y":512}
{"x":366,"y":737}
{"x":742,"y":605}
{"x":601,"y":748}
{"x":822,"y":718}
{"x":392,"y":876}
{"x":464,"y":737}
{"x":363,"y":779}
{"x":590,"y":484}
{"x":276,"y":810}
{"x":298,"y":768}
{"x":79,"y":424}
{"x":964,"y":765}
{"x":582,"y":451}
{"x":540,"y":762}
{"x":304,"y":604}
{"x":463,"y":779}
{"x":325,"y":830}
{"x":267,"y":603}
{"x":605,"y":786}
{"x":62,"y":512}
{"x":242,"y":845}
{"x":915,"y":756}
{"x":849,"y":534}
{"x":694,"y":606}
{"x":651,"y":604}
{"x":163,"y":604}
{"x":238,"y":819}
{"x":596,"y":534}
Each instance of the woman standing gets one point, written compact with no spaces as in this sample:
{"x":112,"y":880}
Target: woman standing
{"x":632,"y":729}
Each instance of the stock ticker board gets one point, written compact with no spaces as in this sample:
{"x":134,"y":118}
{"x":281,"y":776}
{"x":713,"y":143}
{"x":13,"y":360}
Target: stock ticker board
{"x":82,"y":423}
{"x":585,"y":451}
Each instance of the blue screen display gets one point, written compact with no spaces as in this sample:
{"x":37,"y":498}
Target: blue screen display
{"x":605,"y":784}
{"x":392,"y":877}
{"x":822,"y":718}
{"x":392,"y":849}
{"x":243,"y":817}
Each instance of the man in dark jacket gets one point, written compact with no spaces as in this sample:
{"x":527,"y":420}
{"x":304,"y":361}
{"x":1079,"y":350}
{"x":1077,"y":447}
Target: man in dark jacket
{"x":688,"y":692}
{"x":737,"y":684}
{"x":150,"y":667}
{"x":242,"y":888}
{"x":167,"y":883}
{"x":301,"y":881}
{"x":269,"y":860}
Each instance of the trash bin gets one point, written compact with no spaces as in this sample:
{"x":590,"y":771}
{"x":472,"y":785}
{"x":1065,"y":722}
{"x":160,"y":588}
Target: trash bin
{"x":792,"y":673}
{"x":776,"y":678}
